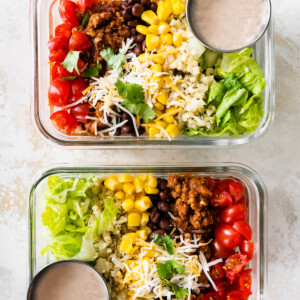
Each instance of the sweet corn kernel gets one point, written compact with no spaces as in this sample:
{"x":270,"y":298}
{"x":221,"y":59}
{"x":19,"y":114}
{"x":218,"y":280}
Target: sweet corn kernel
{"x":166,"y":39}
{"x":151,"y":191}
{"x":150,"y":253}
{"x":172,"y":130}
{"x":156,"y":68}
{"x":158,"y":105}
{"x":171,"y":109}
{"x":128,"y":188}
{"x":132,"y":236}
{"x":162,"y":98}
{"x":158,"y":81}
{"x":152,"y":41}
{"x":148,"y":229}
{"x":152,"y":181}
{"x":142,"y":234}
{"x":142,"y":29}
{"x":161,"y":123}
{"x":111,"y":183}
{"x":153,"y":29}
{"x":158,"y":59}
{"x":134,"y":210}
{"x":177,"y":7}
{"x":125,"y":178}
{"x":128,"y":204}
{"x":129,"y":262}
{"x":163,"y":27}
{"x":169,"y":119}
{"x":119,"y":195}
{"x":144,"y":219}
{"x":126,"y":246}
{"x":164,"y":9}
{"x":177,"y":39}
{"x":150,"y":17}
{"x":138,"y":184}
{"x":143,"y":177}
{"x":157,"y":112}
{"x":143,"y":204}
{"x":134,"y":219}
{"x":153,"y":131}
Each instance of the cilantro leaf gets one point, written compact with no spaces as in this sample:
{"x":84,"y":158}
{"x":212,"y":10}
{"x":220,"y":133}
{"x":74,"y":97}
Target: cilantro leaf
{"x":85,"y":19}
{"x":69,"y":78}
{"x":166,"y":241}
{"x":114,"y":61}
{"x":179,"y":292}
{"x":146,"y":111}
{"x":71,"y":61}
{"x":166,"y":269}
{"x":90,"y":72}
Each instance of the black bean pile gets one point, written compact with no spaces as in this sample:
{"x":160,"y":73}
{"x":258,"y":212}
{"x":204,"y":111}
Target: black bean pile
{"x":132,"y":11}
{"x":128,"y":128}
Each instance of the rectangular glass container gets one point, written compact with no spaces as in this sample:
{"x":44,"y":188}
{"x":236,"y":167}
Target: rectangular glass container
{"x":44,"y":19}
{"x":256,"y":198}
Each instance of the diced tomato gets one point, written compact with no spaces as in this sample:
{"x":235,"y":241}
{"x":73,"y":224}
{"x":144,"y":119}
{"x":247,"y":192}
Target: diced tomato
{"x":243,"y":228}
{"x":79,"y":42}
{"x":245,"y":281}
{"x":80,"y":111}
{"x":58,"y":93}
{"x":77,"y":87}
{"x":221,"y":286}
{"x":211,"y":183}
{"x":237,"y":295}
{"x":219,"y":251}
{"x":64,"y":121}
{"x":81,"y":67}
{"x":242,"y":201}
{"x":247,"y":248}
{"x":236,"y":190}
{"x":211,"y":296}
{"x":224,"y":184}
{"x":234,"y":265}
{"x":59,"y":72}
{"x":58,"y":43}
{"x":67,"y":12}
{"x":217,"y":272}
{"x":64,"y":29}
{"x":221,"y":198}
{"x":227,"y":236}
{"x":234,"y":213}
{"x":58,"y":56}
{"x":85,"y":4}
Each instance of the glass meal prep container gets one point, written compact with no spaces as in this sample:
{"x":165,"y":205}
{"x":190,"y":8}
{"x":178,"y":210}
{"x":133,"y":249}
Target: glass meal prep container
{"x":256,"y":199}
{"x":44,"y":18}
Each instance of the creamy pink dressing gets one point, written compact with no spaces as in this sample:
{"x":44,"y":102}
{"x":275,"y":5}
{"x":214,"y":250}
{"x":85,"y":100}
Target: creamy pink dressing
{"x":227,"y":24}
{"x":70,"y":281}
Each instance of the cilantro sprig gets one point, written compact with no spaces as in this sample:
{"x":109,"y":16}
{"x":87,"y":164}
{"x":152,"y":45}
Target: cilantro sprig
{"x":166,"y":241}
{"x":135,"y":96}
{"x":179,"y":292}
{"x":114,"y":61}
{"x":167,"y":269}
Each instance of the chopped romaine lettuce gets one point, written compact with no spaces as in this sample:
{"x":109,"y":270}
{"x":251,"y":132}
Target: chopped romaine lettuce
{"x":231,"y":82}
{"x":216,"y":92}
{"x":254,"y":83}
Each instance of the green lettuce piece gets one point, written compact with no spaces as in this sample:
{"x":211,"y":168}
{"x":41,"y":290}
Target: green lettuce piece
{"x":216,"y":92}
{"x":108,"y":215}
{"x":232,"y":98}
{"x":231,"y":82}
{"x":253,"y":82}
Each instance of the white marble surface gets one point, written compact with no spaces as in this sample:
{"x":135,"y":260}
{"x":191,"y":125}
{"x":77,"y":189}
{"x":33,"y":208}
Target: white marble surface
{"x":276,"y":157}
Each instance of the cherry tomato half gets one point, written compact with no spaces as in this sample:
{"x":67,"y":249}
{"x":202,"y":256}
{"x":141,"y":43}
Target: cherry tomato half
{"x":217,"y":272}
{"x":227,"y":236}
{"x":219,"y":251}
{"x":85,"y":5}
{"x":211,"y":183}
{"x":77,"y":87}
{"x":221,"y":286}
{"x":80,"y":111}
{"x":224,"y":184}
{"x":58,"y":93}
{"x":67,"y":12}
{"x":234,"y":265}
{"x":245,"y":281}
{"x":59,"y":72}
{"x":234,"y":213}
{"x":79,"y":42}
{"x":247,"y":248}
{"x":58,"y":43}
{"x":242,"y":200}
{"x":58,"y":56}
{"x":64,"y":29}
{"x":221,"y":198}
{"x":211,"y":296}
{"x":236,"y":190}
{"x":64,"y":121}
{"x":237,"y":295}
{"x":243,"y":228}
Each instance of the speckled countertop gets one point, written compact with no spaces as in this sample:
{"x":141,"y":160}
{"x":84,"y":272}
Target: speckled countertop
{"x":276,"y":157}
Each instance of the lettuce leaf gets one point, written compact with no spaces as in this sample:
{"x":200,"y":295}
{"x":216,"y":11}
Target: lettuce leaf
{"x":231,"y":82}
{"x":216,"y":92}
{"x":108,"y":215}
{"x":253,"y":82}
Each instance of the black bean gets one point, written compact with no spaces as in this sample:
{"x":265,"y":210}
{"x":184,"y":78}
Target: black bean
{"x":133,"y":23}
{"x":137,"y":10}
{"x":152,"y":226}
{"x":140,"y":38}
{"x":132,"y":2}
{"x":153,"y":6}
{"x":144,"y":47}
{"x":124,"y":5}
{"x":154,"y":215}
{"x":154,"y":198}
{"x":141,"y":130}
{"x":174,"y":235}
{"x":163,"y":196}
{"x":159,"y":232}
{"x":165,"y":224}
{"x":162,"y":182}
{"x":145,"y":2}
{"x":126,"y":129}
{"x":133,"y":31}
{"x":163,"y":206}
{"x":118,"y":131}
{"x":125,"y":116}
{"x":138,"y":50}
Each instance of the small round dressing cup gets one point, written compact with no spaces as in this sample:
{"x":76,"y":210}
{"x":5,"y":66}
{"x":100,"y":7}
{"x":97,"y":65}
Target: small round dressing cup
{"x":68,"y":280}
{"x":193,"y":14}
